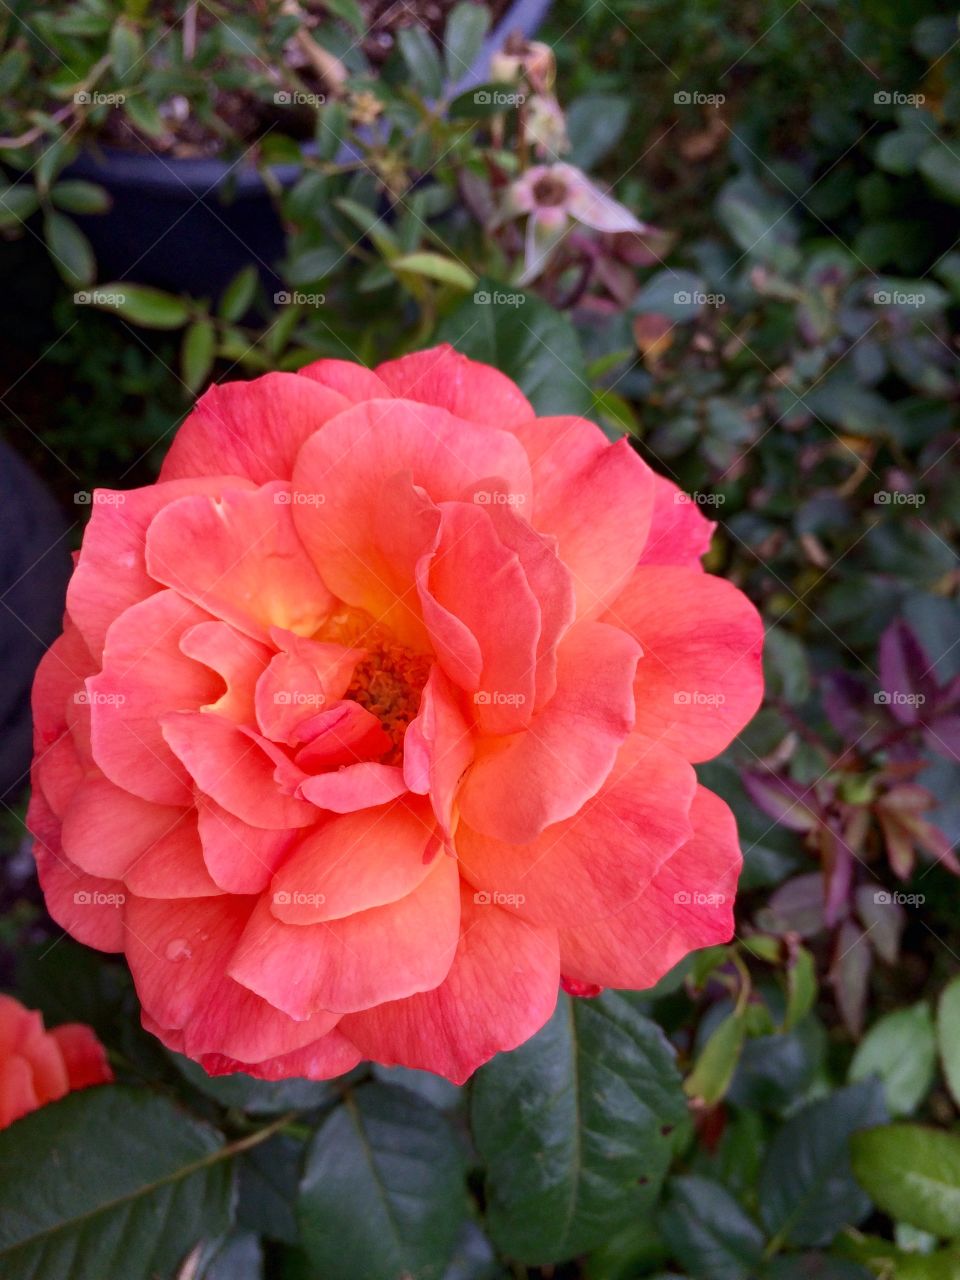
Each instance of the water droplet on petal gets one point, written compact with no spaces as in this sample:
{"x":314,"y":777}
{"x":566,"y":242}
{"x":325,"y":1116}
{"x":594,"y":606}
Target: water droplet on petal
{"x":178,"y":949}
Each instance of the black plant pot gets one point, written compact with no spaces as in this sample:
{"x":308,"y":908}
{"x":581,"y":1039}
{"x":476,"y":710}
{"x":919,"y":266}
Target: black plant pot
{"x":189,"y":225}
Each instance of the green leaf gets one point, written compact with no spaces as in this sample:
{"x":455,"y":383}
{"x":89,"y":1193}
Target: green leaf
{"x":463,"y":37}
{"x":259,"y":1097}
{"x":126,"y":49}
{"x":69,"y":248}
{"x":111,"y":1181}
{"x":948,"y":1035}
{"x":17,"y":203}
{"x":801,"y":988}
{"x":714,"y":1068}
{"x":708,"y":1232}
{"x":197,"y":353}
{"x":913,"y":1173}
{"x":420,"y":54}
{"x":371,"y":224}
{"x":138,"y":303}
{"x":238,"y":295}
{"x":76,"y":196}
{"x":901,"y":1050}
{"x":595,"y":124}
{"x":527,"y":340}
{"x":570,"y":1123}
{"x":350,"y":12}
{"x":940,"y":166}
{"x":436,"y":267}
{"x":807,"y":1191}
{"x":383,"y":1189}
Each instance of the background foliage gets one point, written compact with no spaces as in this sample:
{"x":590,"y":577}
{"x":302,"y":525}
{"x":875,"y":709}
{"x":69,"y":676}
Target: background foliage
{"x":784,"y":346}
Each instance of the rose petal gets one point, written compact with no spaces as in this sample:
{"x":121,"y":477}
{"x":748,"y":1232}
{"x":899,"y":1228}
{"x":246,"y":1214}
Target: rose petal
{"x":688,"y":905}
{"x":355,"y":861}
{"x":340,"y":964}
{"x":239,"y":557}
{"x":601,"y":859}
{"x":442,"y":376}
{"x":484,"y":1005}
{"x":700,"y":678}
{"x":354,"y":786}
{"x":680,"y":533}
{"x":240,"y":858}
{"x":512,"y":791}
{"x":251,"y":428}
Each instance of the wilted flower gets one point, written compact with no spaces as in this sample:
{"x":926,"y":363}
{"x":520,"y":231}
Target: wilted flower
{"x":554,"y":198}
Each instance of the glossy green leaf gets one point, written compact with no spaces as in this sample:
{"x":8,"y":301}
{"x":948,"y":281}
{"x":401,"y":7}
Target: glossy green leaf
{"x":901,"y":1050}
{"x":948,"y":1035}
{"x":807,"y":1190}
{"x":69,"y":249}
{"x":463,"y":37}
{"x":17,"y":203}
{"x":423,"y":62}
{"x":112,"y":1181}
{"x":197,"y":353}
{"x":913,"y":1173}
{"x":708,"y":1231}
{"x":573,"y":1127}
{"x":436,"y":267}
{"x":383,"y":1192}
{"x":77,"y":196}
{"x":525,"y":338}
{"x":238,"y":296}
{"x":138,"y":303}
{"x":714,"y":1068}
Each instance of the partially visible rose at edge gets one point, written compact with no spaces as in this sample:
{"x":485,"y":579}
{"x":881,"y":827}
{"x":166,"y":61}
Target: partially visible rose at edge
{"x":374,"y":720}
{"x":39,"y":1066}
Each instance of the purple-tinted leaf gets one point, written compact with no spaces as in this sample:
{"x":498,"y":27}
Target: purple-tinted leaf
{"x":796,"y":907}
{"x":850,"y":973}
{"x":898,"y":843}
{"x":907,"y":682}
{"x":847,"y":703}
{"x":787,"y":802}
{"x":883,"y":918}
{"x":838,"y":866}
{"x":943,"y":735}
